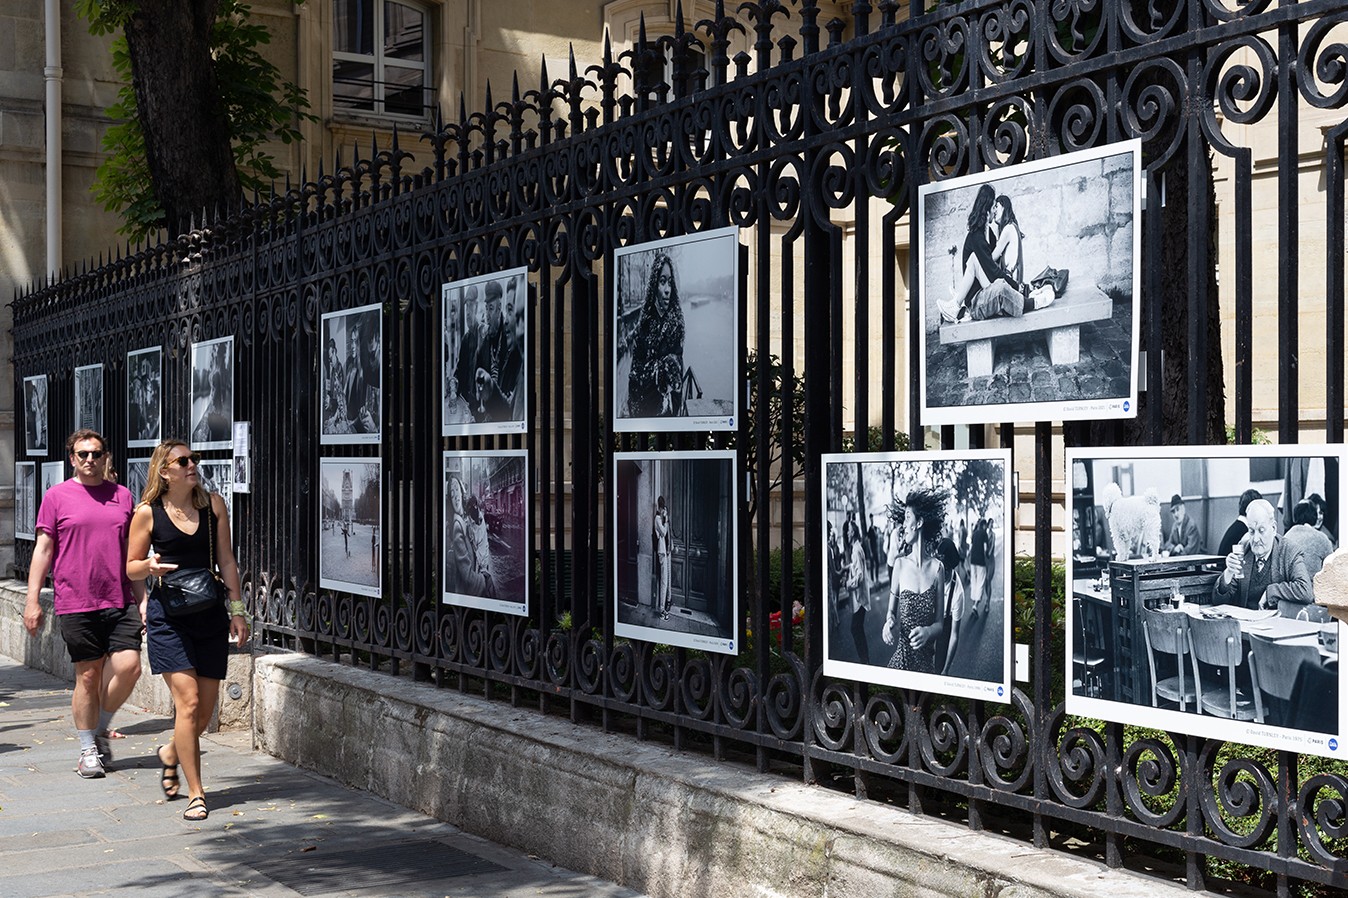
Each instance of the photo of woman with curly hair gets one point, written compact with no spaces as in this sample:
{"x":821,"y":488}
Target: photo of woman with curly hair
{"x":676,"y":335}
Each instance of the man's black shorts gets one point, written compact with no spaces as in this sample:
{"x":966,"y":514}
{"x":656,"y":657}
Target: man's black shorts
{"x":90,"y":635}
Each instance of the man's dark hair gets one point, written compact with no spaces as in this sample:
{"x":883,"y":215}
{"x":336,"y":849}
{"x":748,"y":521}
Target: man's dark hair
{"x":85,"y":433}
{"x":1247,"y":497}
{"x":1304,"y":512}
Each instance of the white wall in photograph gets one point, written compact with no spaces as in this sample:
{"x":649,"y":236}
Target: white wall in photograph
{"x":352,"y":376}
{"x":350,"y":525}
{"x":25,"y":499}
{"x":486,"y":538}
{"x":89,"y":397}
{"x":676,"y":561}
{"x":37,"y":424}
{"x":917,"y":583}
{"x":144,"y":387}
{"x":676,"y":343}
{"x":1192,"y":583}
{"x":484,"y":362}
{"x":213,"y":394}
{"x":1029,"y":291}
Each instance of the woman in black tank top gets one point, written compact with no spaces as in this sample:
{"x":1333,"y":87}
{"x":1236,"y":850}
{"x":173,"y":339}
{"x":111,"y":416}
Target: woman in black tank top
{"x":179,"y":526}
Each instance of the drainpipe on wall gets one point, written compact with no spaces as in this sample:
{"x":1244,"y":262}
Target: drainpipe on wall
{"x":471,"y":32}
{"x":54,"y":74}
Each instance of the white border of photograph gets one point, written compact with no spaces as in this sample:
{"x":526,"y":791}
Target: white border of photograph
{"x":89,"y":379}
{"x":30,"y":434}
{"x":877,"y":672}
{"x":333,"y":582}
{"x":934,"y":267}
{"x":709,"y":263}
{"x":523,"y":564}
{"x":53,"y":472}
{"x":28,"y":492}
{"x":136,"y":476}
{"x":452,"y":341}
{"x":727,"y":522}
{"x":149,"y":442}
{"x":1139,"y":711}
{"x":336,"y":437}
{"x":213,"y":406}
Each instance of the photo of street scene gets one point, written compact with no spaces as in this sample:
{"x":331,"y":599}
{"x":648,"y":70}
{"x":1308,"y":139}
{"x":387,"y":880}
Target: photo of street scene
{"x":485,"y":358}
{"x":136,"y":474}
{"x":1029,"y":290}
{"x":53,"y":472}
{"x":213,"y":394}
{"x":1193,"y":578}
{"x":89,"y":397}
{"x":144,"y":386}
{"x":486,"y":544}
{"x":349,"y":525}
{"x":352,"y":372}
{"x":25,"y":499}
{"x":676,"y":348}
{"x":676,"y":574}
{"x":917,"y":585}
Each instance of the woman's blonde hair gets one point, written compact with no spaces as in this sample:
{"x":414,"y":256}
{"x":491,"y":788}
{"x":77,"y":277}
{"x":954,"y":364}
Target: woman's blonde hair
{"x":154,"y":478}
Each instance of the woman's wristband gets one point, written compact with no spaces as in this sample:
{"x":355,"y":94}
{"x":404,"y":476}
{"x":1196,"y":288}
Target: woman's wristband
{"x":237,"y":608}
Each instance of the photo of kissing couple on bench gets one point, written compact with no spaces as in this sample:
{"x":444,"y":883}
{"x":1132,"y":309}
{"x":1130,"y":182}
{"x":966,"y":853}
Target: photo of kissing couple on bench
{"x":989,"y":281}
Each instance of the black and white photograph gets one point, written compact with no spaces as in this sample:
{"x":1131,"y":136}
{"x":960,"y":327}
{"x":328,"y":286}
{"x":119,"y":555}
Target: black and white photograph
{"x":36,"y":424}
{"x":217,"y":476}
{"x":53,"y":472}
{"x":350,"y":525}
{"x":676,"y":345}
{"x":484,"y":360}
{"x":137,"y":474}
{"x":352,"y":376}
{"x":918,"y":579}
{"x":25,"y":500}
{"x":144,"y":387}
{"x":1193,"y":575}
{"x":486,"y":545}
{"x":676,"y":570}
{"x":89,"y":397}
{"x":1029,"y":290}
{"x":213,"y":394}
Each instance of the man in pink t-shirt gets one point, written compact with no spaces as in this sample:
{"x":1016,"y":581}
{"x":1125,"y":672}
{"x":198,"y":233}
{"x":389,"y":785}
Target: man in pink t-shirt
{"x":81,"y":538}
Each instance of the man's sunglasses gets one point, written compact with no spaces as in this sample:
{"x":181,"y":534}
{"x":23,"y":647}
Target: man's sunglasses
{"x":183,"y":461}
{"x":95,"y":454}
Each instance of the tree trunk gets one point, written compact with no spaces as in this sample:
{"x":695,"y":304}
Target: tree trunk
{"x":186,"y":128}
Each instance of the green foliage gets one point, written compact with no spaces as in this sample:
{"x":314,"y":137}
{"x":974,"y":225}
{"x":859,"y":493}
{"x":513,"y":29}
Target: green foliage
{"x":261,"y":106}
{"x":875,"y":441}
{"x":1257,"y":437}
{"x":1022,"y":584}
{"x":781,"y":383}
{"x":775,"y":576}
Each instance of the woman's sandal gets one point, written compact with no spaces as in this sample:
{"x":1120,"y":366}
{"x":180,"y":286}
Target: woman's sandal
{"x":168,"y":776}
{"x":196,"y":810}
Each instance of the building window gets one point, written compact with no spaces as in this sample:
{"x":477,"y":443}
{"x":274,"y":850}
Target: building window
{"x":381,"y":59}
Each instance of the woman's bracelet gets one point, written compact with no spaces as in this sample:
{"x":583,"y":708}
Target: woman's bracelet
{"x":237,"y":608}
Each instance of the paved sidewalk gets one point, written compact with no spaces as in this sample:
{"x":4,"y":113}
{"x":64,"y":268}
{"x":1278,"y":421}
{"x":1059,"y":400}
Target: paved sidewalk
{"x":274,"y":830}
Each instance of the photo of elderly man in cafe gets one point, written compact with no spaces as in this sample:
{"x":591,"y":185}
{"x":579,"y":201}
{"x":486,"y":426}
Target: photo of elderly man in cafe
{"x":1227,"y":645}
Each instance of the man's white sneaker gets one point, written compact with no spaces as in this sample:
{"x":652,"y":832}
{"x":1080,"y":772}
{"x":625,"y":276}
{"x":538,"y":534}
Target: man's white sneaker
{"x":91,"y":765}
{"x":949,"y":310}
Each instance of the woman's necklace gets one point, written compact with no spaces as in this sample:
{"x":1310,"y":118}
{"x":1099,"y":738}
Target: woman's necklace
{"x":176,"y":512}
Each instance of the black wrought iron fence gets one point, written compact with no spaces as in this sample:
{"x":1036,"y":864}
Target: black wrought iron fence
{"x":816,"y":147}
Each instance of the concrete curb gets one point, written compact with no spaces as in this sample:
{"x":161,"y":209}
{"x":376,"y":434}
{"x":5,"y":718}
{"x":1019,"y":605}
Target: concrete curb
{"x":661,"y":822}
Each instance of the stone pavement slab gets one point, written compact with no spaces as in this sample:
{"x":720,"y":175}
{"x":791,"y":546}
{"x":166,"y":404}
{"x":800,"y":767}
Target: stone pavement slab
{"x":274,"y":830}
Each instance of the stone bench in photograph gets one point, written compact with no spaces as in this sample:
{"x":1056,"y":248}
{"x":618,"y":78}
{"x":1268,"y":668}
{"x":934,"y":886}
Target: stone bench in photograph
{"x":1062,"y":320}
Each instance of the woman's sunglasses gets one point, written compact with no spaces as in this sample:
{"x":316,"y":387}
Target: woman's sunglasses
{"x":183,"y":461}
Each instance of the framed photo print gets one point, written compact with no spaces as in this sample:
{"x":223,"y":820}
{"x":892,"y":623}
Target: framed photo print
{"x":89,"y":397}
{"x":144,"y":387}
{"x":484,"y":360}
{"x":486,"y":563}
{"x":213,"y":394}
{"x":918,"y":581}
{"x":25,"y":500}
{"x":53,"y":472}
{"x":137,"y":475}
{"x":36,"y":423}
{"x":352,"y":375}
{"x":1192,"y":585}
{"x":1029,"y":290}
{"x":676,"y":571}
{"x":676,"y":344}
{"x":349,"y":525}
